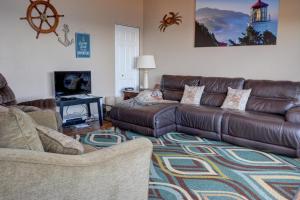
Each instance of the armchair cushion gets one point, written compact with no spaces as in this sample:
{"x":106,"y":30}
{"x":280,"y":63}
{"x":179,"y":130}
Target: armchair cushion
{"x":27,"y":109}
{"x":41,"y":103}
{"x":293,"y":115}
{"x":47,"y":118}
{"x":17,"y":130}
{"x":55,"y":142}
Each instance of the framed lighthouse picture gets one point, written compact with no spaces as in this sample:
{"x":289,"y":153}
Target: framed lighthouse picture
{"x":223,"y":23}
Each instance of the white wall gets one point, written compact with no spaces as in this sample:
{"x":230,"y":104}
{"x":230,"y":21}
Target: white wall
{"x":175,"y":52}
{"x":28,"y":63}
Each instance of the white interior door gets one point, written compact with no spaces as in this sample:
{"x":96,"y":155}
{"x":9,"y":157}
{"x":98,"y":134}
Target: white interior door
{"x":127,"y":47}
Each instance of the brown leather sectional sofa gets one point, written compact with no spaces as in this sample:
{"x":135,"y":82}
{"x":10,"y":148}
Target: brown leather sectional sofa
{"x":271,"y":121}
{"x":8,"y":98}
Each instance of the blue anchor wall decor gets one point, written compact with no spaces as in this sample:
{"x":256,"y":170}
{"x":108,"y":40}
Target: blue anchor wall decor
{"x":66,"y":41}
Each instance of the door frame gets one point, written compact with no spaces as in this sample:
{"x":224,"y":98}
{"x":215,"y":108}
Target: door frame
{"x":139,"y":74}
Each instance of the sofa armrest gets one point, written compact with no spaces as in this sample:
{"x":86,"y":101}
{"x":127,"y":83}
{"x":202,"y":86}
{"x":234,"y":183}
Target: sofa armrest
{"x":293,"y":115}
{"x":116,"y":173}
{"x":41,"y":103}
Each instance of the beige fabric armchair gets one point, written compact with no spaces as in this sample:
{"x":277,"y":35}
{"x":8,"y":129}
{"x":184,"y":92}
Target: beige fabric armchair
{"x":117,"y":173}
{"x":120,"y":172}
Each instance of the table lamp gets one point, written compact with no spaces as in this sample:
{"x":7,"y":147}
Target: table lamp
{"x":146,"y":62}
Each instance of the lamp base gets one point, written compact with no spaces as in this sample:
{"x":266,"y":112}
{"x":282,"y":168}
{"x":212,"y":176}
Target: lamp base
{"x":146,"y":79}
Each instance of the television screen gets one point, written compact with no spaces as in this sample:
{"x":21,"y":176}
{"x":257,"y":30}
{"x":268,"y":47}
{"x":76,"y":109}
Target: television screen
{"x":72,"y":83}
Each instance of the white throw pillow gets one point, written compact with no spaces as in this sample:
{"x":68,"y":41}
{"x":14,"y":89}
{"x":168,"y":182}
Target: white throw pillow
{"x":192,"y":95}
{"x":236,"y":99}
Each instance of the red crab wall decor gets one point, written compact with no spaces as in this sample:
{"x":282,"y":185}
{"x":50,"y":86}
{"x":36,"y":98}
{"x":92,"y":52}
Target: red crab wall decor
{"x":169,"y":20}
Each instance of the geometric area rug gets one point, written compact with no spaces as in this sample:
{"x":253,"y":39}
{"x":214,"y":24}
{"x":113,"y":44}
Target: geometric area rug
{"x":188,"y":167}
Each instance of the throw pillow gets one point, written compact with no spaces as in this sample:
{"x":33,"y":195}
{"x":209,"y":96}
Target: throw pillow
{"x":17,"y":130}
{"x":192,"y":95}
{"x":55,"y":142}
{"x":236,"y":99}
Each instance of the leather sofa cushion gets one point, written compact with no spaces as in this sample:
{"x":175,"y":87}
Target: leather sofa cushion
{"x":154,"y":116}
{"x":173,"y":86}
{"x":265,"y":128}
{"x":200,"y":117}
{"x":157,"y":132}
{"x":275,"y":97}
{"x":172,"y":95}
{"x":169,"y":82}
{"x":216,"y":89}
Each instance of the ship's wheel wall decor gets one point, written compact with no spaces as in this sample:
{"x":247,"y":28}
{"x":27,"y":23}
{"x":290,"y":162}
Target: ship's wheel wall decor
{"x":42,"y":17}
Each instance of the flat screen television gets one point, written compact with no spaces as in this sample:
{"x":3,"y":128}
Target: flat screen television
{"x":68,"y":83}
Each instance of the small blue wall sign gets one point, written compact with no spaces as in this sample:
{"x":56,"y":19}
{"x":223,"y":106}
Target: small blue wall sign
{"x":83,"y":45}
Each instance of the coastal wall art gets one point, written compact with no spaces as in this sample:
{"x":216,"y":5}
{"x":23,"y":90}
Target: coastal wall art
{"x":169,"y":20}
{"x":43,"y":17}
{"x":222,"y":23}
{"x":83,"y":45}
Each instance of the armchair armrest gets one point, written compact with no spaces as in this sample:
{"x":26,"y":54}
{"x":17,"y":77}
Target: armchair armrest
{"x":117,"y":173}
{"x":293,"y":115}
{"x":41,"y":103}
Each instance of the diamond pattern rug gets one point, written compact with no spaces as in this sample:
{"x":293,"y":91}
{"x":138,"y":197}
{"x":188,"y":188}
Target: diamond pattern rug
{"x":188,"y":168}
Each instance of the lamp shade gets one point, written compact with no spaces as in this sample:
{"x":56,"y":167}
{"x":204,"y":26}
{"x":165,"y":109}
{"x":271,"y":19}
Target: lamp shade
{"x":146,"y":62}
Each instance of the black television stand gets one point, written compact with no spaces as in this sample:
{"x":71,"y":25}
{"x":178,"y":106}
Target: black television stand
{"x":87,"y":100}
{"x":67,"y":98}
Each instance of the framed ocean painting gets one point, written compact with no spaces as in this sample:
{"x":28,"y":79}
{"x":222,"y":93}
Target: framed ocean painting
{"x":222,"y":23}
